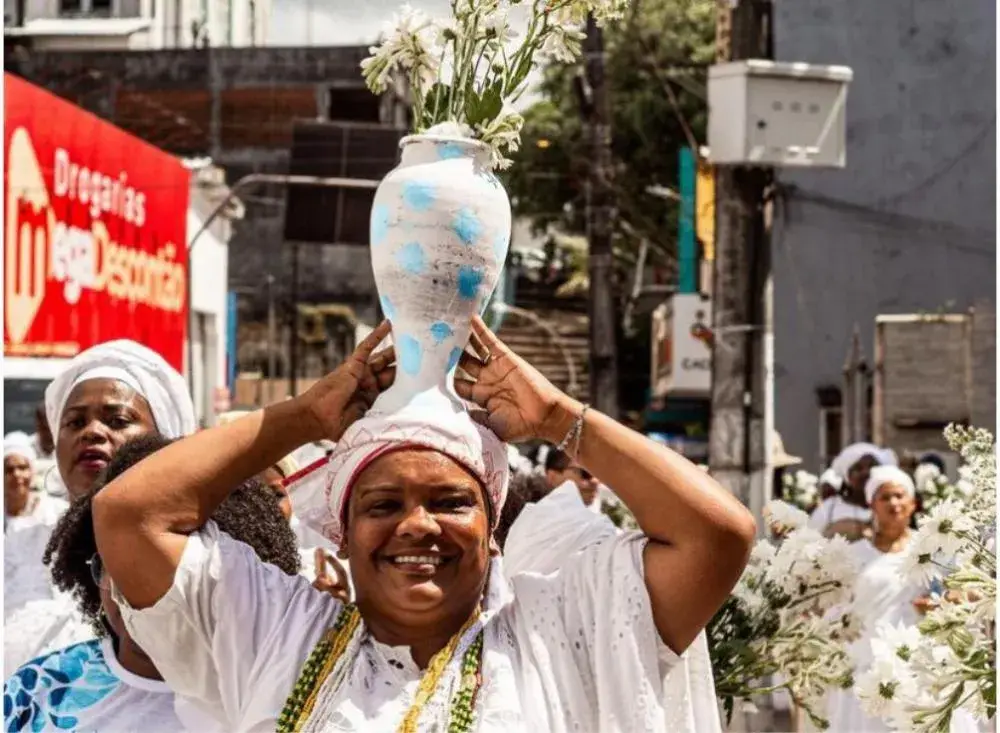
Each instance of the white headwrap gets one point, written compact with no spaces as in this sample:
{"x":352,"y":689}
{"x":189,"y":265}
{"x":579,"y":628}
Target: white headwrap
{"x":140,"y":368}
{"x":852,"y":454}
{"x":882,"y":475}
{"x":20,"y":444}
{"x":320,"y":492}
{"x":831,"y":478}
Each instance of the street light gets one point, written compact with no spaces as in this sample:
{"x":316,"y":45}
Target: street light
{"x":662,"y":192}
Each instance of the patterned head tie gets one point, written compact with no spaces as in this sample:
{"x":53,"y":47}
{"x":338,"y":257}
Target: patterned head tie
{"x":320,"y":492}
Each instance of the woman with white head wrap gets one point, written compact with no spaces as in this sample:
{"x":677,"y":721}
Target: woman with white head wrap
{"x":29,"y":517}
{"x":109,"y":394}
{"x":28,"y":520}
{"x":882,"y":593}
{"x":847,"y":513}
{"x":19,"y":460}
{"x":438,"y":639}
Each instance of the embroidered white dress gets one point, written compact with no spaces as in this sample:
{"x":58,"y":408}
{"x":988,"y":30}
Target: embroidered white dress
{"x":541,"y":539}
{"x":574,"y":650}
{"x":84,"y":688}
{"x":37,"y":617}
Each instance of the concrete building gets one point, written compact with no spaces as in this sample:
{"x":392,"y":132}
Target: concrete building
{"x":136,"y":25}
{"x":909,"y":225}
{"x":207,"y":360}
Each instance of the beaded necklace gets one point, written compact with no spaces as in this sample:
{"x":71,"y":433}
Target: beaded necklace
{"x":324,"y":656}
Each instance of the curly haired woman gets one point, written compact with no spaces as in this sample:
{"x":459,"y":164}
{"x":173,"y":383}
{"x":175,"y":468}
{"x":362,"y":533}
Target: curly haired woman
{"x":109,"y":683}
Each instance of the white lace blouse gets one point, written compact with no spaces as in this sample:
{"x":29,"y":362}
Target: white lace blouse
{"x":574,"y":650}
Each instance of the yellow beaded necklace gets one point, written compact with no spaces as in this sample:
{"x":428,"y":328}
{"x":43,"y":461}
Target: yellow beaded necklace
{"x":331,"y":648}
{"x":429,"y":682}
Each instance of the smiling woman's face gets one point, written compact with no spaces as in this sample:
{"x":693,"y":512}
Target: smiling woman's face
{"x":99,"y":417}
{"x":418,"y":538}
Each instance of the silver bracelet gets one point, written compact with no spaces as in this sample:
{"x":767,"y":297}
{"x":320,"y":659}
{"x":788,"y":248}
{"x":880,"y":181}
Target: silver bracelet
{"x":575,"y":432}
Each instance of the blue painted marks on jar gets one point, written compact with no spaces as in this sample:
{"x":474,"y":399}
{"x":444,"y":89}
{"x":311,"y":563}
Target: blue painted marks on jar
{"x":450,"y":151}
{"x":387,"y":307}
{"x":453,"y":357}
{"x":440,"y":331}
{"x":467,"y":226}
{"x":379,"y":225}
{"x":410,"y":354}
{"x":411,"y":258}
{"x":418,"y":195}
{"x":469,"y":280}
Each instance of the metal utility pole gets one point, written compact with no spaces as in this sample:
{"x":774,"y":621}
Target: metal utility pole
{"x":272,"y":338}
{"x":854,"y":425}
{"x":596,"y":112}
{"x":293,"y":331}
{"x":737,"y":442}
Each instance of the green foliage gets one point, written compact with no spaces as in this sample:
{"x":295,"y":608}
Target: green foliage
{"x":665,"y":42}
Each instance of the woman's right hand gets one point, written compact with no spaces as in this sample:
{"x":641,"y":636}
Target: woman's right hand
{"x":344,"y":395}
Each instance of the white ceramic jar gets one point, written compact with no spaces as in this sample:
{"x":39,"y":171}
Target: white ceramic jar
{"x":440,"y":230}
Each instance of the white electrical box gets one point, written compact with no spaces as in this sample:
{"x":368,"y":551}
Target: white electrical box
{"x":777,"y":113}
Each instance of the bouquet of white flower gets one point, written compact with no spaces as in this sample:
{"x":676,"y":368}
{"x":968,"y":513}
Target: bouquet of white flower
{"x":923,"y":675}
{"x":785,"y":618}
{"x":465,"y":73}
{"x":934,"y":487}
{"x":801,"y":489}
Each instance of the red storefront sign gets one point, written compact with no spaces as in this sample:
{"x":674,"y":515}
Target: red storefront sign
{"x":94,"y":236}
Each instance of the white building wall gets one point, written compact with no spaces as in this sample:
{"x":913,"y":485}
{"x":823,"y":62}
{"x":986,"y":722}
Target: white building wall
{"x":228,"y":23}
{"x":209,"y":261}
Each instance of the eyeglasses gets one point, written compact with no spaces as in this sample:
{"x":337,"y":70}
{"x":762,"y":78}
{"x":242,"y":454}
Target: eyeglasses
{"x":96,"y":569}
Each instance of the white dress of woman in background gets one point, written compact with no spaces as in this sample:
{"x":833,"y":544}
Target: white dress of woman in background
{"x":882,"y":592}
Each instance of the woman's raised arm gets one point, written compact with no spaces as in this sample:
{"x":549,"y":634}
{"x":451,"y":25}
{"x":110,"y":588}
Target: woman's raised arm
{"x":142,"y":519}
{"x":700,"y":535}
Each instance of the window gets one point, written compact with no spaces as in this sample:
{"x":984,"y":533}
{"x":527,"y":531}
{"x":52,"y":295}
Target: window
{"x":84,"y":8}
{"x":831,"y":419}
{"x":830,"y":426}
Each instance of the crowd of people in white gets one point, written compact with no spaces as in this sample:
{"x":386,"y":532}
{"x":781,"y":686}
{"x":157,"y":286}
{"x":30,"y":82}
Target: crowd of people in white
{"x":111,"y":629}
{"x":203,"y":620}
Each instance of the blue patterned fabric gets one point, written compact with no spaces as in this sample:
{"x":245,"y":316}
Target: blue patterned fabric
{"x":51,"y":691}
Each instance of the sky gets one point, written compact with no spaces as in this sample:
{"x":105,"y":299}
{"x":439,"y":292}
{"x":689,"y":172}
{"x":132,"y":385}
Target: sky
{"x":354,"y":22}
{"x":337,"y":22}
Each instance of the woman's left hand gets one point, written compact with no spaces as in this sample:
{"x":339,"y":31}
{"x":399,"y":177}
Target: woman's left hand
{"x":518,"y":402}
